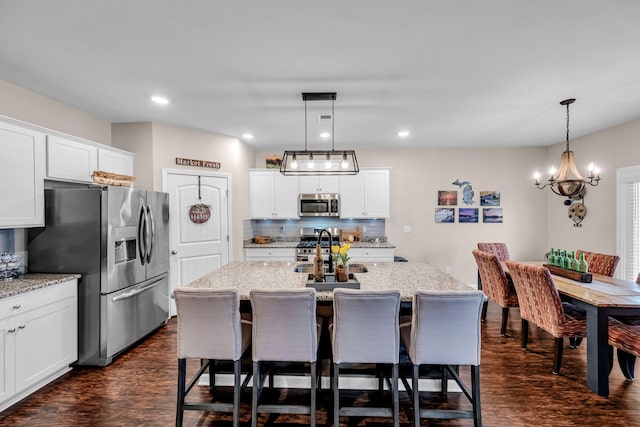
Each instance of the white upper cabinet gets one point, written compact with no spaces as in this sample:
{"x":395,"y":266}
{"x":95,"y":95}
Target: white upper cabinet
{"x":22,"y":175}
{"x":319,"y":184}
{"x":70,"y":160}
{"x":115,"y":161}
{"x":365,"y":195}
{"x":272,"y":195}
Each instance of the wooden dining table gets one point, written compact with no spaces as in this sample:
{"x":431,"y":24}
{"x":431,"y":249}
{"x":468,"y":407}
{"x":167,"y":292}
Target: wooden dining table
{"x":603,"y":297}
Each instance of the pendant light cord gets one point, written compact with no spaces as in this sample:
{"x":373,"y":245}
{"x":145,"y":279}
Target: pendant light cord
{"x":333,"y":125}
{"x":305,"y":124}
{"x":568,"y":127}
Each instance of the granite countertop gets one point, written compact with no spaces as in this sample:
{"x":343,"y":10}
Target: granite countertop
{"x":404,"y":276}
{"x":293,"y":244}
{"x":31,"y":282}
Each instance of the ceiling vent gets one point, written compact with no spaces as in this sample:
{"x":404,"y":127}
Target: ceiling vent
{"x":325,"y":119}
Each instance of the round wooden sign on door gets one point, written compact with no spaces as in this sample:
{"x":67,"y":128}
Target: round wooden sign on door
{"x":199,"y":213}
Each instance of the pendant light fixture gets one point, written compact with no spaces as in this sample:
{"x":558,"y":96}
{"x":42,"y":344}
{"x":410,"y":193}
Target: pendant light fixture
{"x":567,"y":181}
{"x":319,"y":162}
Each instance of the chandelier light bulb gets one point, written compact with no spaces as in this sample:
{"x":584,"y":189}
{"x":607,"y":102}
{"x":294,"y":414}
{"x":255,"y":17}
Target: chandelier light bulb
{"x":552,"y":171}
{"x":327,"y":163}
{"x":591,"y":167}
{"x":596,"y":170}
{"x":294,"y":162}
{"x":536,"y":176}
{"x":344,"y":163}
{"x":311,"y":165}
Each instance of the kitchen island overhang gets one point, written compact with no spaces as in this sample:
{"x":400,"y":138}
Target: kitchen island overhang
{"x":407,"y":277}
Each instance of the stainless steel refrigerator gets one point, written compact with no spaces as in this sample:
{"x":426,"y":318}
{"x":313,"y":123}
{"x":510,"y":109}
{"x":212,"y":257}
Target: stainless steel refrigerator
{"x":117,"y":238}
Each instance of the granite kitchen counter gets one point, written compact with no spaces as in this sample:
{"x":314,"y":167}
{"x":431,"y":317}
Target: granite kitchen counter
{"x":407,"y":277}
{"x":31,"y":282}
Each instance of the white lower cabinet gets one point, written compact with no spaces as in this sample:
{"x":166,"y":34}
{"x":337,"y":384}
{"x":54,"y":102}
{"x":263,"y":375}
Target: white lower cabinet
{"x":270,"y":254}
{"x":39,"y":339}
{"x":371,"y":254}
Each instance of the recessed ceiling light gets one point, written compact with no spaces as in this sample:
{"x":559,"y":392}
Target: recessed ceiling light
{"x":160,"y":100}
{"x":247,"y":136}
{"x":325,"y":135}
{"x":403,"y":133}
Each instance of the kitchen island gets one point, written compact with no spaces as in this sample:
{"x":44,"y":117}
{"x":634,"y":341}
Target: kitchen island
{"x":407,"y":277}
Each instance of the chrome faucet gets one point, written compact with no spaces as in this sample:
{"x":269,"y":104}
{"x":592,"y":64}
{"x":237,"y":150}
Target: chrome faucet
{"x":324,"y":230}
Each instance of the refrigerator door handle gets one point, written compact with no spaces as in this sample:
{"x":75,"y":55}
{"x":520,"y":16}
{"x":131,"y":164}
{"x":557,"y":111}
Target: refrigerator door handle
{"x":152,"y":234}
{"x":142,"y":238}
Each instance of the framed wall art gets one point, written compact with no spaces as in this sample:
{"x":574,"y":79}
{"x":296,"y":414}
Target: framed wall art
{"x":444,"y":215}
{"x":492,"y":215}
{"x":489,"y":198}
{"x":447,"y":198}
{"x":468,"y":215}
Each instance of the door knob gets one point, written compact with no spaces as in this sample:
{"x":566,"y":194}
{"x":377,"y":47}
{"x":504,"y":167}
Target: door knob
{"x":174,"y":252}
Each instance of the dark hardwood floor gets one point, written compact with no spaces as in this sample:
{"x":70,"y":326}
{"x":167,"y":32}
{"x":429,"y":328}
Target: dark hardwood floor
{"x":518,"y":389}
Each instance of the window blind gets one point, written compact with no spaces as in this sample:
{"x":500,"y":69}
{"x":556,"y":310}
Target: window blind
{"x":628,"y":222}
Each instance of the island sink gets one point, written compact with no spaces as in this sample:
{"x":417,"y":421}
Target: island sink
{"x":308,"y":268}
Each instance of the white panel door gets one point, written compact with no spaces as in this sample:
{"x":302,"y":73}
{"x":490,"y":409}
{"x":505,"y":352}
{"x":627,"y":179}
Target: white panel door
{"x":196,"y":249}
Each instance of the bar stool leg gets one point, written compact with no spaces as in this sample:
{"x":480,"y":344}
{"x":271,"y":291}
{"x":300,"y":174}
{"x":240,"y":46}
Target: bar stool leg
{"x":336,"y":395}
{"x":182,"y":377}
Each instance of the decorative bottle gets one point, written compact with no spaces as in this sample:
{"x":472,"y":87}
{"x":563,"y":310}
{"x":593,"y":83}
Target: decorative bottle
{"x":318,"y":266}
{"x":583,"y":267}
{"x":551,"y":260}
{"x":574,"y":261}
{"x":565,"y":260}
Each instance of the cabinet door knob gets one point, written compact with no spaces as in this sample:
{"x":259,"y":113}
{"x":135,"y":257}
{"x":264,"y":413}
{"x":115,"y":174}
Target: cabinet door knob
{"x":12,"y":330}
{"x":17,"y":306}
{"x":174,"y":252}
{"x":22,"y":326}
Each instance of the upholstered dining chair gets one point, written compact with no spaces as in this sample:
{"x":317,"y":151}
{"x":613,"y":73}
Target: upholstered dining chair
{"x":285,"y":329}
{"x":626,"y":338}
{"x":602,"y":264}
{"x":499,"y":249}
{"x":365,"y":330}
{"x":445,"y":330}
{"x":540,"y":304}
{"x":495,"y":285}
{"x":210,"y":328}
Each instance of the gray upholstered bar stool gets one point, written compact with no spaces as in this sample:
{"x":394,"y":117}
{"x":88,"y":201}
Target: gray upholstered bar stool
{"x":285,"y":329}
{"x":210,"y":329}
{"x":445,"y":330}
{"x":365,"y":330}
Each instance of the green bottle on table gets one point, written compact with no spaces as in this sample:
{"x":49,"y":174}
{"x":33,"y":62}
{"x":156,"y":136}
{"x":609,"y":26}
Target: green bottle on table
{"x":574,"y":261}
{"x":551,"y":260}
{"x":583,"y":267}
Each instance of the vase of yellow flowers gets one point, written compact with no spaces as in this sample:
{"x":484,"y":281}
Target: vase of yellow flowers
{"x":341,"y":259}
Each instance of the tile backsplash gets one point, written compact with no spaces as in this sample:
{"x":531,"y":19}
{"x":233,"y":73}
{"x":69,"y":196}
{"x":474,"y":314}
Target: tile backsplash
{"x":284,"y":230}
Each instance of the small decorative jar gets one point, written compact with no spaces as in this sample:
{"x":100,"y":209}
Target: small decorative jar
{"x":342,"y":273}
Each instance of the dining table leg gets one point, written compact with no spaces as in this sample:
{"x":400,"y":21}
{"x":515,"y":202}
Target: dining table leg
{"x":597,"y":349}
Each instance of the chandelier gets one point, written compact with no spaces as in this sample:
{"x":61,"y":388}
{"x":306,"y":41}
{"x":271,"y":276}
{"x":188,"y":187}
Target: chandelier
{"x":319,"y":162}
{"x":568,"y":181}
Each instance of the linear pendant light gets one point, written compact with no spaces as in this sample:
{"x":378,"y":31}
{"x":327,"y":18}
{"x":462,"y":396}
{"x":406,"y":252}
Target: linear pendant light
{"x":319,"y":162}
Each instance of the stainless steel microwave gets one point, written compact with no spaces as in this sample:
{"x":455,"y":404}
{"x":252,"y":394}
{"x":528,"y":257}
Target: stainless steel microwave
{"x":321,"y":204}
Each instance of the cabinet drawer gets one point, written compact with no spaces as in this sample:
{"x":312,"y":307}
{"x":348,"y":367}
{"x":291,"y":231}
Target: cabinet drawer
{"x":371,"y":254}
{"x":270,"y":254}
{"x":22,"y":303}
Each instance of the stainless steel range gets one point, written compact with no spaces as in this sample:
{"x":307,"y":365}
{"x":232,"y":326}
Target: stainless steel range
{"x":306,"y":249}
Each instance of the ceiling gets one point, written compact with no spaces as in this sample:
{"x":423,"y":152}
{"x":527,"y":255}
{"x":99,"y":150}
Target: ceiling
{"x":452,"y":73}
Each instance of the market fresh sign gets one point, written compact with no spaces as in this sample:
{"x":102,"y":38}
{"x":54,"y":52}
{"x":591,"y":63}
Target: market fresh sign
{"x":198,"y":163}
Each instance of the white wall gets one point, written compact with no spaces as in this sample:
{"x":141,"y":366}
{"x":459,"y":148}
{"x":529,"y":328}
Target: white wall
{"x":137,"y":138}
{"x":610,"y":149}
{"x":234,"y":155}
{"x":417,"y":175}
{"x":22,"y":104}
